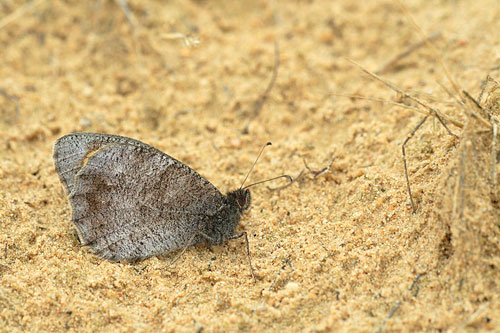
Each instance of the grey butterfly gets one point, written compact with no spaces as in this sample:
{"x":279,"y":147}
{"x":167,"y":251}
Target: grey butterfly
{"x":132,"y":201}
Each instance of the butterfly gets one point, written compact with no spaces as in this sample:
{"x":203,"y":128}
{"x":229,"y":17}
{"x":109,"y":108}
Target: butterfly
{"x":130,"y":201}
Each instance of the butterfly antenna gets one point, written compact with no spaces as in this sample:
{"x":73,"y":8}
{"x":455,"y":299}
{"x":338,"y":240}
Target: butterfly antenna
{"x":268,"y":180}
{"x":248,"y":174}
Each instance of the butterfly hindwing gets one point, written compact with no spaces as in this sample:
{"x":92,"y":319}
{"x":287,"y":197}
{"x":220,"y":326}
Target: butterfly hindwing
{"x":130,"y":200}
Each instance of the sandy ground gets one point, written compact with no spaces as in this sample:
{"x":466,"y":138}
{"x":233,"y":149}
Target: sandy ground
{"x":341,"y":251}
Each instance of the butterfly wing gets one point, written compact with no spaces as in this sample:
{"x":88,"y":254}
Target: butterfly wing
{"x":130,"y":200}
{"x":71,"y":151}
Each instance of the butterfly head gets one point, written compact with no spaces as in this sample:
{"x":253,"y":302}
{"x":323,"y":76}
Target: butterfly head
{"x":241,"y":198}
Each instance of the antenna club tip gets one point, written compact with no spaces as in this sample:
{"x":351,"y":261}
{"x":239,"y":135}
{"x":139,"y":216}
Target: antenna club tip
{"x":288,"y":177}
{"x":269,"y":143}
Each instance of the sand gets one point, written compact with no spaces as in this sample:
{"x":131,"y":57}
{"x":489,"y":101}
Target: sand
{"x":336,"y":251}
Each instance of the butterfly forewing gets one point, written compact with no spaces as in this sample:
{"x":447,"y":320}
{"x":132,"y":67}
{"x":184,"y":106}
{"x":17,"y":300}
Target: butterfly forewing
{"x":71,"y":150}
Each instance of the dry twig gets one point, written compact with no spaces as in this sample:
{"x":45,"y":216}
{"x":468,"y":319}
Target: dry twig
{"x":391,"y":63}
{"x":431,"y":111}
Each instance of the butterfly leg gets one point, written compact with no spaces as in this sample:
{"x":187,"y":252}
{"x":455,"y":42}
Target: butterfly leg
{"x":244,"y":233}
{"x":189,"y":243}
{"x":80,"y":243}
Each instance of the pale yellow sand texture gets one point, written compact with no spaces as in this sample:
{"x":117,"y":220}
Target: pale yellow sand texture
{"x":341,"y":251}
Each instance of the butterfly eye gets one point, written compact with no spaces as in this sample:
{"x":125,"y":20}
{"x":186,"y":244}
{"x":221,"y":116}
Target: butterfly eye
{"x":241,"y":202}
{"x":242,"y":198}
{"x":246,"y":198}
